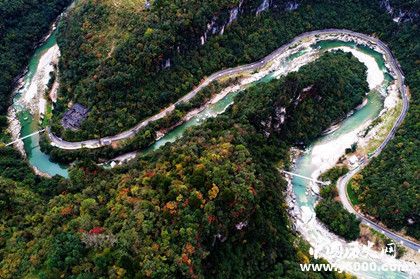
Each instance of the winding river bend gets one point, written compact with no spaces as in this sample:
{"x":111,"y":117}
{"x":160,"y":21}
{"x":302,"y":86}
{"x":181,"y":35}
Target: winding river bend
{"x":321,"y":155}
{"x":33,"y":84}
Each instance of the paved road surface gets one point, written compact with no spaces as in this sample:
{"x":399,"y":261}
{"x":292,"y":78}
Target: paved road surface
{"x":341,"y":184}
{"x":95,"y":143}
{"x":343,"y":181}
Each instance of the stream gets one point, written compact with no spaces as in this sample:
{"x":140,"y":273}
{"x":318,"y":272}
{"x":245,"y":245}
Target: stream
{"x":35,"y":80}
{"x":318,"y":157}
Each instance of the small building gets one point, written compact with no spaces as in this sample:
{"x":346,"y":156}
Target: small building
{"x":73,"y":118}
{"x":352,"y":159}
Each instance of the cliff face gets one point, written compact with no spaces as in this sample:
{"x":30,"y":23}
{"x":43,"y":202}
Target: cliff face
{"x":122,"y":57}
{"x":401,"y":11}
{"x":218,"y":23}
{"x":223,"y":18}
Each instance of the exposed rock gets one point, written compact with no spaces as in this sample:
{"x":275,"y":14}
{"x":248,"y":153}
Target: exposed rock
{"x":263,"y":6}
{"x":291,"y":6}
{"x":241,"y":225}
{"x":147,"y":5}
{"x":233,"y":15}
{"x":385,"y":4}
{"x":14,"y":129}
{"x":279,"y":118}
{"x":167,"y":63}
{"x":398,"y":14}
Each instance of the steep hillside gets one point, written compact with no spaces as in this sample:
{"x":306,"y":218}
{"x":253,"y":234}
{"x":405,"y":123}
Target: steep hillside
{"x":22,"y":25}
{"x":126,"y":65}
{"x":133,"y":84}
{"x":210,"y":205}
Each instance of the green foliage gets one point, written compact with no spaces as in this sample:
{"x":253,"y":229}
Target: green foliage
{"x":13,"y":167}
{"x":334,"y":173}
{"x":22,"y":24}
{"x":126,"y":70}
{"x":352,"y":148}
{"x":337,"y":219}
{"x":163,"y":210}
{"x":208,"y":205}
{"x":331,"y":212}
{"x":7,"y":189}
{"x":66,"y":251}
{"x":316,"y":88}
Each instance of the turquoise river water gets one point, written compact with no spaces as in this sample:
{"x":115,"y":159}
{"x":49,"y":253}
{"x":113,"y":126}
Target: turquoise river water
{"x":304,"y":164}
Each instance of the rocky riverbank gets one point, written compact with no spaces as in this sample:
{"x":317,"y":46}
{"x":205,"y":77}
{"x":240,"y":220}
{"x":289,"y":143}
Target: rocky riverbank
{"x":324,"y":155}
{"x":290,"y":197}
{"x":324,"y":243}
{"x":30,"y":96}
{"x":14,"y":129}
{"x":34,"y":94}
{"x":281,"y":65}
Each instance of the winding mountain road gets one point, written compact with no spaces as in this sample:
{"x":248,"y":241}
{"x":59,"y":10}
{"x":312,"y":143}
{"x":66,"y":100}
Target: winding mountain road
{"x":342,"y":182}
{"x":96,"y":143}
{"x":342,"y":190}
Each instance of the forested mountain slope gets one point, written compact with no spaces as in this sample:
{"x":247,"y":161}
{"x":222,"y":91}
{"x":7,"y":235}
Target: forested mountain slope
{"x":209,"y":205}
{"x":22,"y":25}
{"x":52,"y":225}
{"x":133,"y":83}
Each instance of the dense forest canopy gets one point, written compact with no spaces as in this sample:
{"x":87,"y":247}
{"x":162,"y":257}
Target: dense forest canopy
{"x":118,"y":81}
{"x":210,"y":204}
{"x":22,"y":25}
{"x":108,"y":223}
{"x":112,"y":57}
{"x":330,"y":210}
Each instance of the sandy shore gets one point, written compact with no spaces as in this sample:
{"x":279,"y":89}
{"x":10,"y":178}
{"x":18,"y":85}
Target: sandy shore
{"x":33,"y":94}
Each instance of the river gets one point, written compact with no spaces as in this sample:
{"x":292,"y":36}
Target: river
{"x":34,"y":80}
{"x":321,"y":155}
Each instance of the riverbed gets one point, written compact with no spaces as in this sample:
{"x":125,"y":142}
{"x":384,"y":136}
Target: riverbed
{"x":318,"y":157}
{"x":29,"y":103}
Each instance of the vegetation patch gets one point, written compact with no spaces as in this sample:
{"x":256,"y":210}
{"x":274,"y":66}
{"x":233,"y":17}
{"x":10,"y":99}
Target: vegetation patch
{"x":193,"y":207}
{"x":331,"y":212}
{"x":337,"y":219}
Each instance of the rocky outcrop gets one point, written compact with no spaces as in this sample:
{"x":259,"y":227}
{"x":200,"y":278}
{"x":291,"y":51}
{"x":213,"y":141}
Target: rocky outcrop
{"x":167,"y":63}
{"x":274,"y":122}
{"x":218,"y":23}
{"x":14,"y":130}
{"x":263,"y":6}
{"x":291,"y":6}
{"x":400,"y":13}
